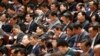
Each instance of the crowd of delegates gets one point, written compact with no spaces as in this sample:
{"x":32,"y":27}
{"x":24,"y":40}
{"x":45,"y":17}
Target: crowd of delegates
{"x":50,"y":28}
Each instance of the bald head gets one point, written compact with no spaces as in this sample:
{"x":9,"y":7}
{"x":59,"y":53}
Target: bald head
{"x":97,"y":50}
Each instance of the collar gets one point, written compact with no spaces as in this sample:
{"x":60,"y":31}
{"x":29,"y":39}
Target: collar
{"x":35,"y":45}
{"x":95,"y":35}
{"x":60,"y":34}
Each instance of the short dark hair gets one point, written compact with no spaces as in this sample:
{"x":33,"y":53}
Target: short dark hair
{"x":87,"y":42}
{"x":2,"y":5}
{"x":11,"y":8}
{"x":77,"y":26}
{"x":62,"y":43}
{"x":1,"y":51}
{"x":21,"y":50}
{"x":96,"y":17}
{"x":95,"y":27}
{"x":31,"y":15}
{"x":56,"y":4}
{"x":64,"y":4}
{"x":70,"y":27}
{"x":31,"y":6}
{"x":95,"y":4}
{"x":68,"y":15}
{"x":34,"y":36}
{"x":53,"y":14}
{"x":45,"y":5}
{"x":58,"y":27}
{"x":42,"y":27}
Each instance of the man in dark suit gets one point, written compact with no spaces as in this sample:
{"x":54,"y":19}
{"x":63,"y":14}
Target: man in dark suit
{"x":95,"y":35}
{"x":93,"y":9}
{"x":17,"y":35}
{"x":70,"y":35}
{"x":64,"y":49}
{"x":81,"y":34}
{"x":30,"y":24}
{"x":59,"y":35}
{"x":67,"y":20}
{"x":36,"y":48}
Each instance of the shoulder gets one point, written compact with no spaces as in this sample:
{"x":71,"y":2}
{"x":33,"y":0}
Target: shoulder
{"x":70,"y":52}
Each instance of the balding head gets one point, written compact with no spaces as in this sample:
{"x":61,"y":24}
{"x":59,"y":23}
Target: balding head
{"x":97,"y":50}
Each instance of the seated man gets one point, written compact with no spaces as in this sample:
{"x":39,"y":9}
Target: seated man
{"x":64,"y":49}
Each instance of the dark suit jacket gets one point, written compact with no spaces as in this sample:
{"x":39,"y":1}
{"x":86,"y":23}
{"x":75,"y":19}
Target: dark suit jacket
{"x":64,"y":26}
{"x":19,"y":37}
{"x":85,"y":25}
{"x":82,"y":36}
{"x":89,"y":12}
{"x":36,"y":50}
{"x":71,"y":40}
{"x":32,"y":27}
{"x":97,"y":40}
{"x":62,"y":37}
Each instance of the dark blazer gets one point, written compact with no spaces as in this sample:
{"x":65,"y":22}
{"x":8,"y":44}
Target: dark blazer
{"x":64,"y":26}
{"x":62,"y":37}
{"x":71,"y":40}
{"x":36,"y":50}
{"x":85,"y":25}
{"x":82,"y":36}
{"x":89,"y":12}
{"x":19,"y":37}
{"x":97,"y":40}
{"x":32,"y":27}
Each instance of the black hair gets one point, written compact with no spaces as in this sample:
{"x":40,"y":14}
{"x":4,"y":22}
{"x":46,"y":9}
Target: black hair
{"x":45,"y":5}
{"x":31,"y":6}
{"x":68,"y":15}
{"x":34,"y":36}
{"x":95,"y":27}
{"x":58,"y":27}
{"x":53,"y":14}
{"x":87,"y":42}
{"x":21,"y":50}
{"x":4,"y":14}
{"x":96,"y":17}
{"x":70,"y":27}
{"x":56,"y":4}
{"x":31,"y":15}
{"x":62,"y":43}
{"x":15,"y":17}
{"x":95,"y":4}
{"x":11,"y":8}
{"x":64,"y":4}
{"x":42,"y":27}
{"x":1,"y":51}
{"x":2,"y":5}
{"x":84,"y":14}
{"x":77,"y":26}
